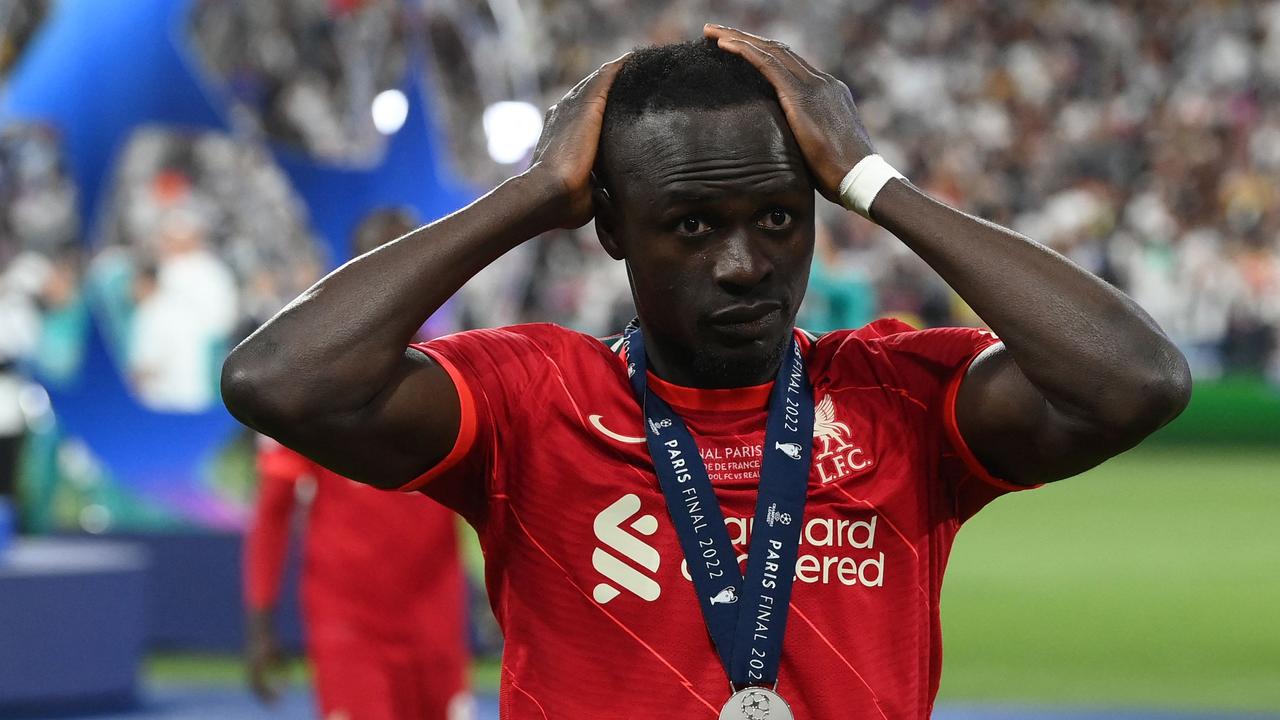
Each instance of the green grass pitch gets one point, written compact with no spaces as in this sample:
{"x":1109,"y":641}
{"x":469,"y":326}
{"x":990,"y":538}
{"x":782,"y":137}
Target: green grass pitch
{"x":1153,"y":580}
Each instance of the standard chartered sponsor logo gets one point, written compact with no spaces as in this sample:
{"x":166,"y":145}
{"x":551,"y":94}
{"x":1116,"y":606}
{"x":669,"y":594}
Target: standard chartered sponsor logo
{"x":832,"y":551}
{"x":609,"y":531}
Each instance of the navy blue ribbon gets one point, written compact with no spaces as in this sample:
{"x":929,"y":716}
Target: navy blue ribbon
{"x":745,"y":617}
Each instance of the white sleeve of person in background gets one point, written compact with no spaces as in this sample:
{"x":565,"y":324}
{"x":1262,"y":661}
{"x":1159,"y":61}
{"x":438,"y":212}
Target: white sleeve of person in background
{"x":169,"y":358}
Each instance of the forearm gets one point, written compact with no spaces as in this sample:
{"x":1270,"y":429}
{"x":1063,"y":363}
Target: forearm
{"x":335,"y":347}
{"x":1086,"y":346}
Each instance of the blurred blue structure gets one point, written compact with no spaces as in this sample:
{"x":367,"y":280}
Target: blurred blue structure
{"x":73,"y":625}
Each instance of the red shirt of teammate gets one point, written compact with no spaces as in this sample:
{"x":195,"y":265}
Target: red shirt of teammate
{"x":585,"y":570}
{"x":382,"y":591}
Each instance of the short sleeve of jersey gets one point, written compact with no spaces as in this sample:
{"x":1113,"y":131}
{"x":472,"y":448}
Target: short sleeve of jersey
{"x":498,"y":374}
{"x":929,"y":365}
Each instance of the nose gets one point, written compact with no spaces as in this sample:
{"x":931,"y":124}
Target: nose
{"x":739,"y":264}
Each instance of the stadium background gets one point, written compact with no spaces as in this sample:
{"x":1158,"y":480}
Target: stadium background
{"x":173,"y":171}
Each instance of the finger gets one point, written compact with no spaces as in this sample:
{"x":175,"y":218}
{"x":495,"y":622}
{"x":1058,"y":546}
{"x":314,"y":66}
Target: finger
{"x":774,"y":70}
{"x":582,"y":84}
{"x":575,"y":90}
{"x":772,"y":48}
{"x":798,"y":66}
{"x":713,"y":30}
{"x":780,"y":50}
{"x":805,"y":63}
{"x":601,"y":80}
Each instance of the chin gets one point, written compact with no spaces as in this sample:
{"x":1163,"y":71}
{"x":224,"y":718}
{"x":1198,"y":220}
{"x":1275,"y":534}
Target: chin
{"x":752,"y":363}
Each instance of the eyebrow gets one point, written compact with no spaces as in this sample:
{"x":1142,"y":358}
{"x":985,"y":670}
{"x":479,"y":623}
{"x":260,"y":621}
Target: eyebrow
{"x":694,"y":191}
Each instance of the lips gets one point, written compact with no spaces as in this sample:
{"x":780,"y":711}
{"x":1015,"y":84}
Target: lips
{"x":746,"y":312}
{"x":748,"y":320}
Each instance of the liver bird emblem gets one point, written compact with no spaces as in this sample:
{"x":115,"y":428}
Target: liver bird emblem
{"x":827,"y":429}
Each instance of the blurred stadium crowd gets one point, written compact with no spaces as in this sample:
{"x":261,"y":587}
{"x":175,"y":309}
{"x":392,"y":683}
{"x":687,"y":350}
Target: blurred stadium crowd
{"x":305,"y":71}
{"x":1139,"y":137}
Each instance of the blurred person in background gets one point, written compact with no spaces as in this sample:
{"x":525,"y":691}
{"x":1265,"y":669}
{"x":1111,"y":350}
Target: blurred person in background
{"x":840,"y":295}
{"x":41,"y":316}
{"x":42,"y":312}
{"x":206,"y":240}
{"x":20,"y":285}
{"x":186,"y":308}
{"x":383,"y":589}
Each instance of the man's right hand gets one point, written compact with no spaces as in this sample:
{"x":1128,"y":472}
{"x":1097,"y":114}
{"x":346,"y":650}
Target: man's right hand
{"x":263,"y":655}
{"x":566,"y":151}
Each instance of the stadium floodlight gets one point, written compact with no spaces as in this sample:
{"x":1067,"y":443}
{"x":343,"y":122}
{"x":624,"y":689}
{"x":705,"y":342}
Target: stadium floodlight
{"x":390,"y":109}
{"x":512,"y":128}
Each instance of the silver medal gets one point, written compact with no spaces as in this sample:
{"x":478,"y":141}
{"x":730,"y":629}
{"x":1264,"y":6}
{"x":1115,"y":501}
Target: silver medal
{"x":756,"y":703}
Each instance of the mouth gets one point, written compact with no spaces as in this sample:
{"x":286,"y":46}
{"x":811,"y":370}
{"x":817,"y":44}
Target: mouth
{"x":746,"y":321}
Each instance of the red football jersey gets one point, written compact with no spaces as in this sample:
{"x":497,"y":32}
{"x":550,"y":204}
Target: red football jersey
{"x":376,"y":564}
{"x":585,"y":572}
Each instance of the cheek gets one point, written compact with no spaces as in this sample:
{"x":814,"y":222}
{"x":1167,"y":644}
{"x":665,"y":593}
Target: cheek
{"x":667,"y":295}
{"x":793,"y":255}
{"x":802,"y":257}
{"x":665,"y":288}
{"x":659,"y":266}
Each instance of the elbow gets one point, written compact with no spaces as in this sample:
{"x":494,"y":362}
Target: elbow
{"x":1157,"y":394}
{"x":1179,"y":385}
{"x":238,"y":386}
{"x":250,"y":393}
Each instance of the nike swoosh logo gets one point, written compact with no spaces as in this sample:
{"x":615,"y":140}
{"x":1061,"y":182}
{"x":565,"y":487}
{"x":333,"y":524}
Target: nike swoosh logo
{"x":595,"y":422}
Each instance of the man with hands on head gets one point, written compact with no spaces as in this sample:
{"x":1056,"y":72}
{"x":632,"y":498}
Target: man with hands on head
{"x":717,"y":515}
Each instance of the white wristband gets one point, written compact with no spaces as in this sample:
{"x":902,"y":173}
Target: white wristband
{"x":864,"y":182}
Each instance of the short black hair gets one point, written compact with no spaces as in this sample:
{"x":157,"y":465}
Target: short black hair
{"x":693,"y":75}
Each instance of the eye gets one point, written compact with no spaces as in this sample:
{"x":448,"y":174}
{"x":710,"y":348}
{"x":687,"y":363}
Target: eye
{"x":693,"y":226}
{"x":776,"y":220}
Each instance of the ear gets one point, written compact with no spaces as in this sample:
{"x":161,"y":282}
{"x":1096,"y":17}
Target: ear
{"x":606,"y":216}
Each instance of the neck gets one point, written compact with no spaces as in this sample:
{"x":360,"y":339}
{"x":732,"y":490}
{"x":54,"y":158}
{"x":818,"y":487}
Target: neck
{"x":709,"y":369}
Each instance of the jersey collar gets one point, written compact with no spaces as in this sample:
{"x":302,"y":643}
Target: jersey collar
{"x":754,"y":397}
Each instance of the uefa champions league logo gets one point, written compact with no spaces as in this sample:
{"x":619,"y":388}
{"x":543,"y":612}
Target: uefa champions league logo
{"x":657,"y":427}
{"x":755,"y":706}
{"x":756,"y":703}
{"x":773,"y":516}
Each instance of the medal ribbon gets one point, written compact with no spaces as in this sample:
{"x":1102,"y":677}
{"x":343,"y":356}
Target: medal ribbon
{"x":745,"y":617}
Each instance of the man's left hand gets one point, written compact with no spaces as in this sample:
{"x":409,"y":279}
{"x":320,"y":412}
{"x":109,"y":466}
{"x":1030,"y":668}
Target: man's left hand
{"x":818,"y":107}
